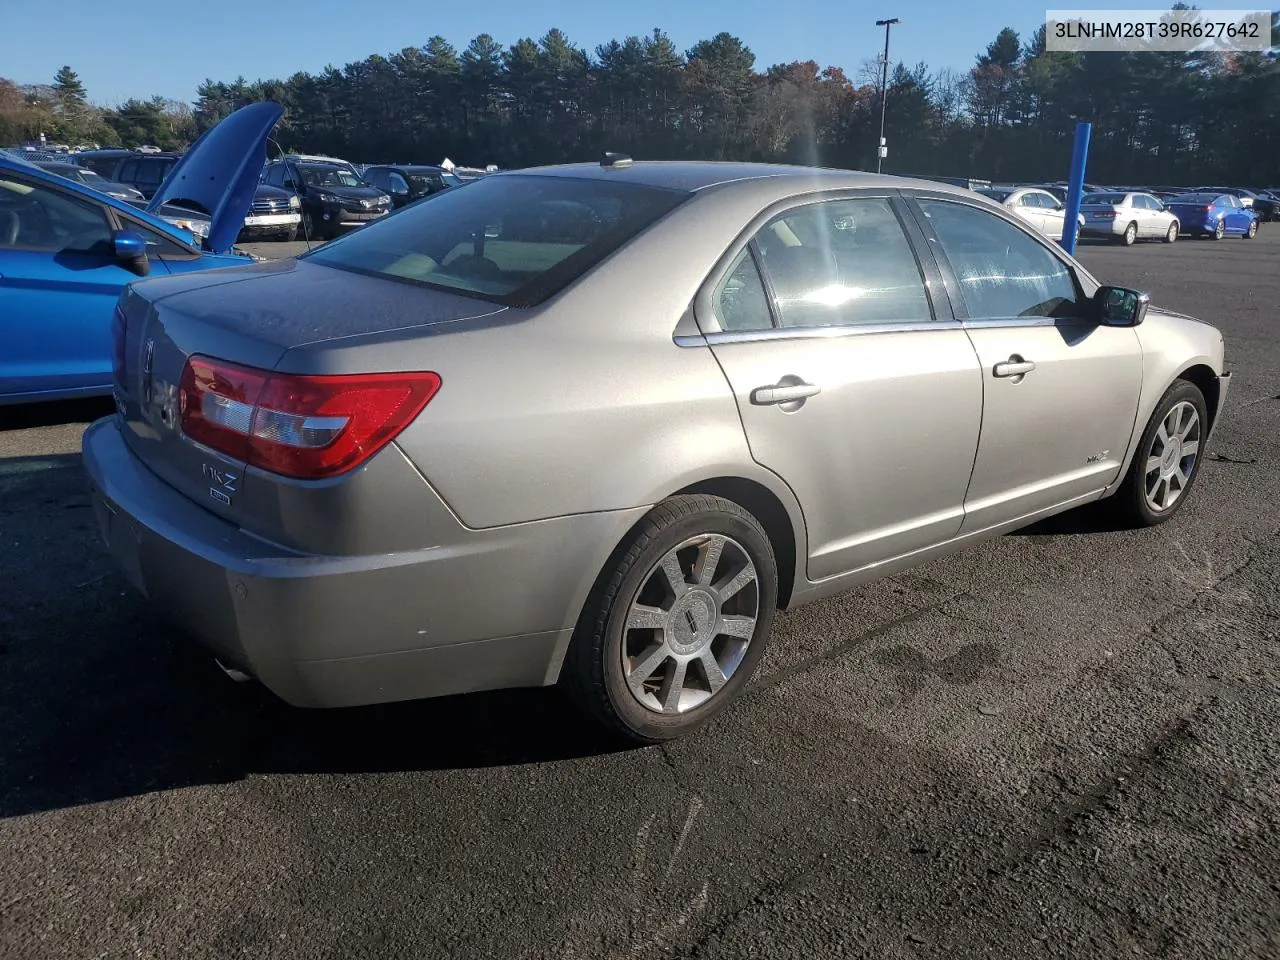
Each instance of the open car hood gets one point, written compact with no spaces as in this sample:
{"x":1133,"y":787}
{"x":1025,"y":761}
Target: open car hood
{"x":219,"y":174}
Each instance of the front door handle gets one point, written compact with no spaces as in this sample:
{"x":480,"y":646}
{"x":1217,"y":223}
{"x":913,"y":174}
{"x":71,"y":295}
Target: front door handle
{"x":1015,"y":366}
{"x":783,"y":393}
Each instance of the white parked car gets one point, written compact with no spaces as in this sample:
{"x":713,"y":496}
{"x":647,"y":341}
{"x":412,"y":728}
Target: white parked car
{"x":1038,"y":207}
{"x":1127,"y":217}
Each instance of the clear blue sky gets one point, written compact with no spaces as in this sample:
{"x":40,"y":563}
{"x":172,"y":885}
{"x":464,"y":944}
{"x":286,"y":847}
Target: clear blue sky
{"x":144,"y":47}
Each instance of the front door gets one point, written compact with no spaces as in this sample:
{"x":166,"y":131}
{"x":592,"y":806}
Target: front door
{"x":59,"y":281}
{"x":849,"y":389}
{"x":1060,"y":391}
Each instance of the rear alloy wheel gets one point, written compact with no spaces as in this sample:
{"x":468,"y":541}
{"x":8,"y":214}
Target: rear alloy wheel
{"x":677,"y":622}
{"x":1130,"y":235}
{"x":1167,"y":459}
{"x":1220,"y":230}
{"x":1252,"y":231}
{"x":1172,"y":235}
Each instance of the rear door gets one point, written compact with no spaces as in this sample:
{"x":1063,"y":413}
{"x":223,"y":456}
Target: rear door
{"x":1060,"y":391}
{"x":59,"y":281}
{"x":854,"y":382}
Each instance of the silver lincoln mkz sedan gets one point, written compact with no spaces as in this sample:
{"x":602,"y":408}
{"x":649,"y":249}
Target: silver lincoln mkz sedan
{"x":593,"y":424}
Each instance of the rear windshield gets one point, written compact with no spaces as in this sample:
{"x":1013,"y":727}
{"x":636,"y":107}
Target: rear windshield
{"x":1104,"y":198}
{"x":1000,"y":196}
{"x":1195,"y":198}
{"x":514,"y":240}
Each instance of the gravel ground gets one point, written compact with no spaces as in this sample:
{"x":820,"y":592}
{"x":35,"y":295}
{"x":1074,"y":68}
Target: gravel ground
{"x":1061,"y":743}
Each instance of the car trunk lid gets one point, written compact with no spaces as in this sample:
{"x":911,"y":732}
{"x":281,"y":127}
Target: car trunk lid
{"x":250,"y":317}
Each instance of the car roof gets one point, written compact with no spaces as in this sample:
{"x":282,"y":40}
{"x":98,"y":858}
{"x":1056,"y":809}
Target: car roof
{"x":694,"y":175}
{"x":73,"y":186}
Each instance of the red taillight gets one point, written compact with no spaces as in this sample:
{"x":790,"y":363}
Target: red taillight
{"x":1106,"y":214}
{"x":300,"y":426}
{"x":117,"y":346}
{"x":1208,"y":208}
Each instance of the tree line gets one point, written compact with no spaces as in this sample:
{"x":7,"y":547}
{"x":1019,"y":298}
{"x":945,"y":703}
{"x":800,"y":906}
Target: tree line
{"x":1158,"y":117}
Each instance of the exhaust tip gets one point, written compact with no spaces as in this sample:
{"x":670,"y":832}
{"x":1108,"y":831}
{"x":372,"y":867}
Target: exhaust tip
{"x":239,"y":676}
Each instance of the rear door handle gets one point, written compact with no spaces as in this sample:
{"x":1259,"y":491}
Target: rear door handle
{"x":1014,"y":368}
{"x":783,"y":393}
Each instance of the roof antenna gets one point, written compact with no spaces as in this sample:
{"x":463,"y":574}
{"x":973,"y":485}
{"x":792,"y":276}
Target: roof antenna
{"x":305,"y":234}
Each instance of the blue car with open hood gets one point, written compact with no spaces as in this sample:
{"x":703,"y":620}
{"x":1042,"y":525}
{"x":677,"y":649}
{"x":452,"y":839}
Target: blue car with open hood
{"x":68,"y":251}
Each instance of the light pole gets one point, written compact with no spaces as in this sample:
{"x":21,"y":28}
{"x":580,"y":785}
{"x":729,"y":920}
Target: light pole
{"x":882,"y":149}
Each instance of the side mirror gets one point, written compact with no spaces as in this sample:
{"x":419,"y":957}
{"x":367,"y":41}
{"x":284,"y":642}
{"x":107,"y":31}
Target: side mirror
{"x":131,"y":250}
{"x":1120,"y":306}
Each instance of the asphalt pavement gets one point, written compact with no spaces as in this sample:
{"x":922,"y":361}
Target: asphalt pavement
{"x":1060,"y":743}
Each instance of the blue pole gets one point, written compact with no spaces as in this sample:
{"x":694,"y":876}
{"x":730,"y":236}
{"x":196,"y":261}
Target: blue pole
{"x":1075,"y":186}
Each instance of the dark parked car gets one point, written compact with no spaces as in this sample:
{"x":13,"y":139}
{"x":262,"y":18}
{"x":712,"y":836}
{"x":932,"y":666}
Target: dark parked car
{"x":275,"y":214}
{"x":145,"y":171}
{"x":102,"y":162}
{"x":121,"y":191}
{"x":409,"y":182}
{"x":332,"y":194}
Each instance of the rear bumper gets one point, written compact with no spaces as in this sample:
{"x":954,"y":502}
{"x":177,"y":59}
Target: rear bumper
{"x":320,"y":631}
{"x":1114,"y":227}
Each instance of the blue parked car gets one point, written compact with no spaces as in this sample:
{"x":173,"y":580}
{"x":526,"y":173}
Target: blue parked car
{"x":67,"y":252}
{"x":1213,"y":215}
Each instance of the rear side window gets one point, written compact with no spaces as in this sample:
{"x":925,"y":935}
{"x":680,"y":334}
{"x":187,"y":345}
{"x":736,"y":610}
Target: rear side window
{"x":1003,"y":272}
{"x":842,"y":262}
{"x":514,"y":240}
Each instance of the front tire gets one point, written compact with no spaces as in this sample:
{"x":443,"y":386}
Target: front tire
{"x":1167,"y":460}
{"x":288,"y":236}
{"x":1252,"y":231}
{"x":677,"y":621}
{"x":1172,"y":235}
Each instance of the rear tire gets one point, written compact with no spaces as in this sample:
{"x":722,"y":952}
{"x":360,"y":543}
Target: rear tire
{"x":1156,"y":472}
{"x":1172,"y":234}
{"x":639,"y":626}
{"x":1220,"y":230}
{"x":1130,"y":235}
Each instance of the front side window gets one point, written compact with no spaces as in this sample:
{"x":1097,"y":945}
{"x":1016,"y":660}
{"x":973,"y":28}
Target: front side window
{"x":396,"y":183}
{"x":1003,"y":272}
{"x":512,"y":239}
{"x":842,"y":262}
{"x":35,"y":217}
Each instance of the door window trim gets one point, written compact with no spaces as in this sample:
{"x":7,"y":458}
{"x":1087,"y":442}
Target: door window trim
{"x":1085,"y":285}
{"x":706,"y":328}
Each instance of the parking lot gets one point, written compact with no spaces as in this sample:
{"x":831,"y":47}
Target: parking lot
{"x":1059,"y":743}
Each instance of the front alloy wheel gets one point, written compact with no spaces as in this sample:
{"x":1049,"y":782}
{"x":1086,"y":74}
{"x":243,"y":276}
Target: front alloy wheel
{"x":1167,"y":459}
{"x":1172,"y":235}
{"x":1252,"y":231}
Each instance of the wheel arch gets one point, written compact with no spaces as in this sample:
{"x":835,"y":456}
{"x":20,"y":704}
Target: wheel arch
{"x":765,"y":505}
{"x":1202,"y":375}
